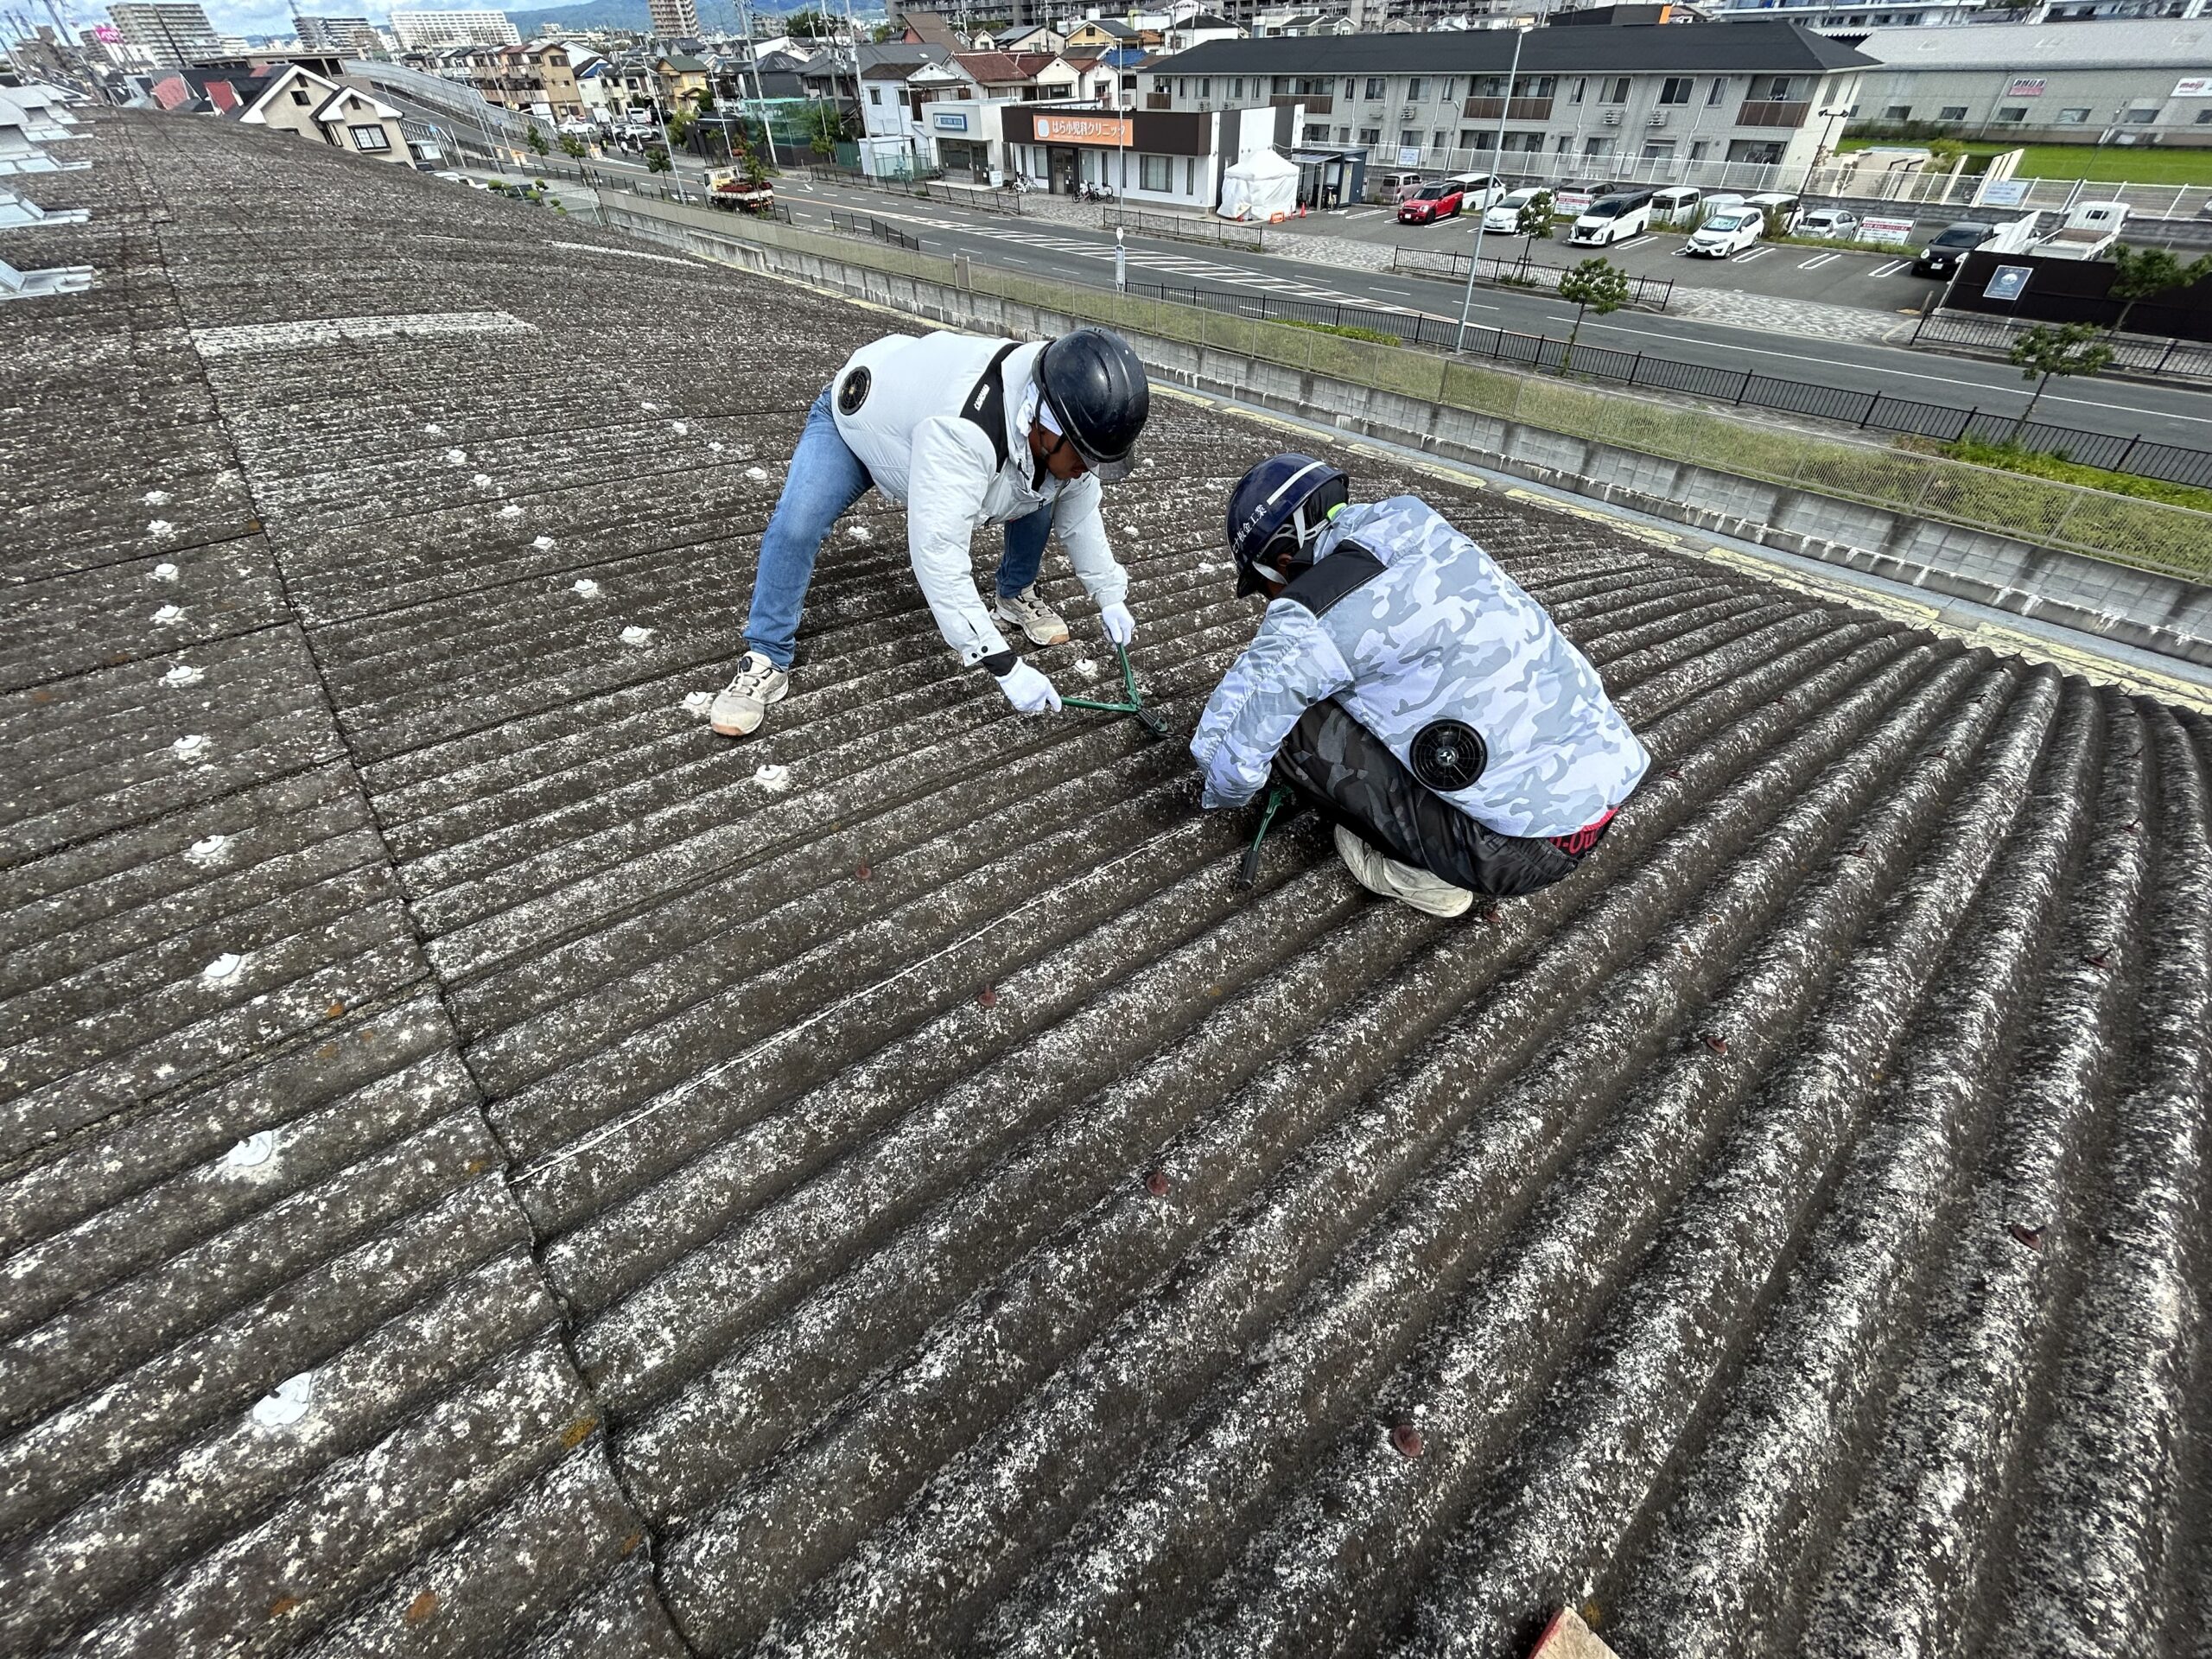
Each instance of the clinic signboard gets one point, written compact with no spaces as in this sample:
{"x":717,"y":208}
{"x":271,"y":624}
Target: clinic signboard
{"x":1084,"y":129}
{"x":1570,"y":202}
{"x":949,"y":120}
{"x":2008,"y":282}
{"x":1894,"y":233}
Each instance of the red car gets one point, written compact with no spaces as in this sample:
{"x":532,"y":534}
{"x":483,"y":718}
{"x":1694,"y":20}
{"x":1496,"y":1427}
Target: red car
{"x":1430,"y":203}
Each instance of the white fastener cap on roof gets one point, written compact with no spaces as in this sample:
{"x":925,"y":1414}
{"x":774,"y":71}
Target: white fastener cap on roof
{"x":290,"y":1401}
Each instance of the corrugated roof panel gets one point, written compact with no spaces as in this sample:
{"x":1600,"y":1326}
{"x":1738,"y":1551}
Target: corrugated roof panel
{"x":917,"y":1202}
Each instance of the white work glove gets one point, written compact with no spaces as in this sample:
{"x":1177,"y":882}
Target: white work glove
{"x":1030,"y":692}
{"x":1121,"y":628}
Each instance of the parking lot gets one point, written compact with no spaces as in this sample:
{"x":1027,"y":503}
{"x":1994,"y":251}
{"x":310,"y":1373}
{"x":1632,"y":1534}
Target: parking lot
{"x":1875,"y":281}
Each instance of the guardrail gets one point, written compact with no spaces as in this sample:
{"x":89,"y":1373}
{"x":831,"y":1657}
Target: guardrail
{"x":861,"y":224}
{"x":1186,"y":227}
{"x":1652,"y":291}
{"x":2184,"y":360}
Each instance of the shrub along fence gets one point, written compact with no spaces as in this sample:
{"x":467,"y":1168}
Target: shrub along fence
{"x":1653,"y":292}
{"x":2125,"y":530}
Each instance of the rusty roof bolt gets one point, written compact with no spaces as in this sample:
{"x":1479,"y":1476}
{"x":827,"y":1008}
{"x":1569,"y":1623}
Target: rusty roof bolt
{"x":1157,"y":1184}
{"x":863,"y":872}
{"x":2031,"y":1237}
{"x":1713,"y":1040}
{"x":1406,"y":1441}
{"x":989,"y":998}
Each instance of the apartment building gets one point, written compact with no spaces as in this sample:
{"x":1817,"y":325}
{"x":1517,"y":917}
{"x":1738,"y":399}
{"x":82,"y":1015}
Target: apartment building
{"x":1634,"y":101}
{"x":418,"y":28}
{"x":674,"y":19}
{"x":351,"y":36}
{"x":2117,"y":82}
{"x":169,"y":36}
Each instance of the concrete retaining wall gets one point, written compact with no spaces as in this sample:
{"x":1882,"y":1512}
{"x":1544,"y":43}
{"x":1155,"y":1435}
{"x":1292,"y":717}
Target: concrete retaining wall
{"x":2138,"y":607}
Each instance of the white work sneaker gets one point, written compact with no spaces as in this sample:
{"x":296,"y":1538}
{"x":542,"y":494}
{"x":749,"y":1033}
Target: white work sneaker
{"x":740,"y":704}
{"x":1380,"y":873}
{"x":1044,"y":625}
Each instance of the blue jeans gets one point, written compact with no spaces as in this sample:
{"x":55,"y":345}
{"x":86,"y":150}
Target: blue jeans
{"x":824,"y":480}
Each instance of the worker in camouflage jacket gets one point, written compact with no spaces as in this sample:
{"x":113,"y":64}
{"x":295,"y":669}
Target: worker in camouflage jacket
{"x":1408,"y":688}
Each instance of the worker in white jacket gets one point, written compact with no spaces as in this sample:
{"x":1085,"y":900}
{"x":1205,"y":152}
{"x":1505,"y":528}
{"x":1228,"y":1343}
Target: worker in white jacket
{"x":964,"y":432}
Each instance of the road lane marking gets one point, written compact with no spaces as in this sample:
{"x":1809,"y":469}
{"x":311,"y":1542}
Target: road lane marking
{"x":1750,"y":254}
{"x":1818,"y":260}
{"x":1633,"y":242}
{"x":1891,"y":269}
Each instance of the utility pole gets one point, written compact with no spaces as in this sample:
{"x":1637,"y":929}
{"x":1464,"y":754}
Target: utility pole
{"x":1475,"y":262}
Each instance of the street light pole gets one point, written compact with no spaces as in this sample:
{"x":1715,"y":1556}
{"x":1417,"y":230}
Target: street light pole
{"x":1828,"y":126}
{"x":1474,"y":262}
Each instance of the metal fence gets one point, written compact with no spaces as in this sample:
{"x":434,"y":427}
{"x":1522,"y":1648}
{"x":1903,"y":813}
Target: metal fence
{"x":1869,"y":411}
{"x":2180,"y":360}
{"x":1186,"y":227}
{"x":976,"y":197}
{"x":1652,"y":291}
{"x":861,"y":224}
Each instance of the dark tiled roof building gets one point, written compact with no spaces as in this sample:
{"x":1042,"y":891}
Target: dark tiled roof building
{"x":492,"y":1169}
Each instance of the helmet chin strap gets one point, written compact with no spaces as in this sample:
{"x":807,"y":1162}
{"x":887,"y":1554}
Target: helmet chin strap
{"x":1306,"y":535}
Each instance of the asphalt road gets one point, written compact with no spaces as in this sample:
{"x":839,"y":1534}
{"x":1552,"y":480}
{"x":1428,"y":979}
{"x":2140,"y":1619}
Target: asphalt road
{"x":2171,"y":415}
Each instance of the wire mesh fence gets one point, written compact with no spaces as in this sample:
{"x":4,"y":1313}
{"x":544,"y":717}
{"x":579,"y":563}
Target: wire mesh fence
{"x":1186,"y":227}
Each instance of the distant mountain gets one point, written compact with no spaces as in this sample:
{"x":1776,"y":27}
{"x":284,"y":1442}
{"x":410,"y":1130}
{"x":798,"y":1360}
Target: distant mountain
{"x":715,"y":15}
{"x":587,"y":14}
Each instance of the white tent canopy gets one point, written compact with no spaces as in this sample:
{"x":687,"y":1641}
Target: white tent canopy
{"x":1261,"y":187}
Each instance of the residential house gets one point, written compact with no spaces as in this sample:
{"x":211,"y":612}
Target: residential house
{"x":681,"y":76}
{"x":1197,"y":29}
{"x":1103,"y":32}
{"x":928,"y":28}
{"x":1297,"y":25}
{"x":1038,"y":37}
{"x":1611,"y":101}
{"x":297,"y":100}
{"x":894,"y":142}
{"x":780,"y":74}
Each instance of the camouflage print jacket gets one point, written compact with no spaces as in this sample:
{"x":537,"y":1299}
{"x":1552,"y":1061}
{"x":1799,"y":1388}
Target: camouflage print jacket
{"x":1424,"y":641}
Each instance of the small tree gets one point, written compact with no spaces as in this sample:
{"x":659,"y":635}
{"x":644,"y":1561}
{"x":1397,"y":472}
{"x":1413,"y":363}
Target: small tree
{"x":536,"y":139}
{"x":824,"y":127}
{"x":2042,"y":352}
{"x":1594,"y":285}
{"x":572,"y":146}
{"x":2143,"y":272}
{"x":657,"y":160}
{"x":1535,"y":220}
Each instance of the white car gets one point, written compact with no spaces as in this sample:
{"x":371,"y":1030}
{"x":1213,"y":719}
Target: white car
{"x":1831,"y":222}
{"x":1478,"y":191}
{"x":1506,"y":215}
{"x":1726,"y":233}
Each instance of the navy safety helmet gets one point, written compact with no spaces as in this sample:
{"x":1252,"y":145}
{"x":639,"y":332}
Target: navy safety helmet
{"x":1276,"y":513}
{"x":1098,"y":394}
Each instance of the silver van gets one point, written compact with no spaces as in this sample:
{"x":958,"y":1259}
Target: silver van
{"x":1676,"y":205}
{"x":1612,"y":218}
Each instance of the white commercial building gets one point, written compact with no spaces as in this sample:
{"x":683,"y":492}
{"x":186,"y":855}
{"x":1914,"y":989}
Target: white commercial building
{"x":418,"y":28}
{"x":1147,"y":158}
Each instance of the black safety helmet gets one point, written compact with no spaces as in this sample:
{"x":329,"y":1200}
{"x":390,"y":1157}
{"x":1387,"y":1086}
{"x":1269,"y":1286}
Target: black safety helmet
{"x":1098,"y":394}
{"x":1276,"y":513}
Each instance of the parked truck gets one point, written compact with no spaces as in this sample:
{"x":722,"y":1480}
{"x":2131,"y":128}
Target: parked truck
{"x":2089,"y":229}
{"x":728,"y":189}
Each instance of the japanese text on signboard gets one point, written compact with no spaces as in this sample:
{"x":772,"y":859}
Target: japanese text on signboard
{"x":1082,"y":129}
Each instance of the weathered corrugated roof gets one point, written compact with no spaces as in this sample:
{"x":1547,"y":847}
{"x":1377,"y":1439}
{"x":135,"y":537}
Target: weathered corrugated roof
{"x":929,"y":1208}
